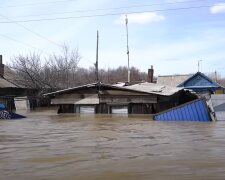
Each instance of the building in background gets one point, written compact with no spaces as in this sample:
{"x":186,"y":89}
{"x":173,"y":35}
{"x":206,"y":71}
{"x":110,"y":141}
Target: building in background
{"x":199,"y":83}
{"x":173,"y":80}
{"x":202,"y":85}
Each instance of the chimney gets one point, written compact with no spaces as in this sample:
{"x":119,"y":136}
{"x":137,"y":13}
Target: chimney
{"x":150,"y":75}
{"x":1,"y":67}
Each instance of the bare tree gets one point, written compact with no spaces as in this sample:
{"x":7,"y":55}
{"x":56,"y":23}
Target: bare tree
{"x":63,"y":67}
{"x":217,"y":77}
{"x":214,"y":76}
{"x":119,"y":74}
{"x":28,"y":69}
{"x":56,"y":72}
{"x":62,"y":71}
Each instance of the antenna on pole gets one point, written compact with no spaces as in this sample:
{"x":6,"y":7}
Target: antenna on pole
{"x":96,"y":64}
{"x":199,"y":64}
{"x":128,"y":57}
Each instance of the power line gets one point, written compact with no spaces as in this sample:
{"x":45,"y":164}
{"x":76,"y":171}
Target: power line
{"x":34,"y":4}
{"x":23,"y":43}
{"x":115,"y":8}
{"x":107,"y":14}
{"x":35,"y":33}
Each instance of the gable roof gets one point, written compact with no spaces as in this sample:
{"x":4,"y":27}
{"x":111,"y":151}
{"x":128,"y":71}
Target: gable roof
{"x":199,"y":80}
{"x":6,"y":84}
{"x":11,"y":76}
{"x":173,"y":80}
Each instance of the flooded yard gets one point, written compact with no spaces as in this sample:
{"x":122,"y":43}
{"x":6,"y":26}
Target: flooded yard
{"x":92,"y":147}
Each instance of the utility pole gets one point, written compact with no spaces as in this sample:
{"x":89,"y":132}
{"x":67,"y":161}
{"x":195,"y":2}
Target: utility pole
{"x":128,"y":57}
{"x":96,"y":64}
{"x":215,"y":76}
{"x":199,"y":64}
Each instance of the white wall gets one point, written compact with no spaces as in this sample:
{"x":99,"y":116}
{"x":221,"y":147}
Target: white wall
{"x":22,"y":103}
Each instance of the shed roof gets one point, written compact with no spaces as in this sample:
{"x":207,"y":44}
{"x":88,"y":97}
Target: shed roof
{"x":92,"y":85}
{"x":173,"y":80}
{"x":148,"y":88}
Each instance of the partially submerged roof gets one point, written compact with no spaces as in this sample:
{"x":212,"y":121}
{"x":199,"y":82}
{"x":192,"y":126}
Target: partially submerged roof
{"x":173,"y":80}
{"x":147,"y":88}
{"x":155,"y":88}
{"x":89,"y":86}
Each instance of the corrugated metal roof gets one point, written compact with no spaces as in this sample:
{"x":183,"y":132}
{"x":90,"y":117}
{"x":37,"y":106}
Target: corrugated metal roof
{"x":154,"y":88}
{"x":173,"y":80}
{"x":196,"y":110}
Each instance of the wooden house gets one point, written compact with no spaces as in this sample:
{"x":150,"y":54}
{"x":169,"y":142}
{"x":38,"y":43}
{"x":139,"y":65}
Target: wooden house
{"x":8,"y":89}
{"x":143,"y":98}
{"x":201,"y":84}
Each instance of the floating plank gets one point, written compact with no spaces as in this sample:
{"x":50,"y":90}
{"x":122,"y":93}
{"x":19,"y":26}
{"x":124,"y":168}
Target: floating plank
{"x":196,"y":110}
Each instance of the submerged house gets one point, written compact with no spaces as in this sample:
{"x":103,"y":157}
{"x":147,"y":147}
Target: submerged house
{"x":13,"y":95}
{"x":8,"y":90}
{"x":201,"y":84}
{"x":198,"y":83}
{"x":142,"y":98}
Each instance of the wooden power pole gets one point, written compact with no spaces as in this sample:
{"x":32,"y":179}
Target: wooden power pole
{"x":96,"y":64}
{"x":128,"y":56}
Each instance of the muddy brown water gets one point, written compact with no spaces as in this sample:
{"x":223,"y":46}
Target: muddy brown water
{"x":94,"y":147}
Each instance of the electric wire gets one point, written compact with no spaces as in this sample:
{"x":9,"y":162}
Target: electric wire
{"x":88,"y":16}
{"x":33,"y":32}
{"x":34,"y":4}
{"x":23,"y":43}
{"x":106,"y":9}
{"x":106,"y":14}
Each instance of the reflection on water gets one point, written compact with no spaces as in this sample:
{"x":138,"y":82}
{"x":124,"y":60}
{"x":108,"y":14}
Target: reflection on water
{"x":93,"y":147}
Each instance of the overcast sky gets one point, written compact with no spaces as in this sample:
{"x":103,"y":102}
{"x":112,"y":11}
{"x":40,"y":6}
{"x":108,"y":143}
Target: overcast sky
{"x":168,"y":34}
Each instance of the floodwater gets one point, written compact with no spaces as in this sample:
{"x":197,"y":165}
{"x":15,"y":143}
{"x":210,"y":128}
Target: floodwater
{"x":98,"y":147}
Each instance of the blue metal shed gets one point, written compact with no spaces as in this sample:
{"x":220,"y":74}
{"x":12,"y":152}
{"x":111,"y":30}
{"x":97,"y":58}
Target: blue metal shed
{"x":196,"y":110}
